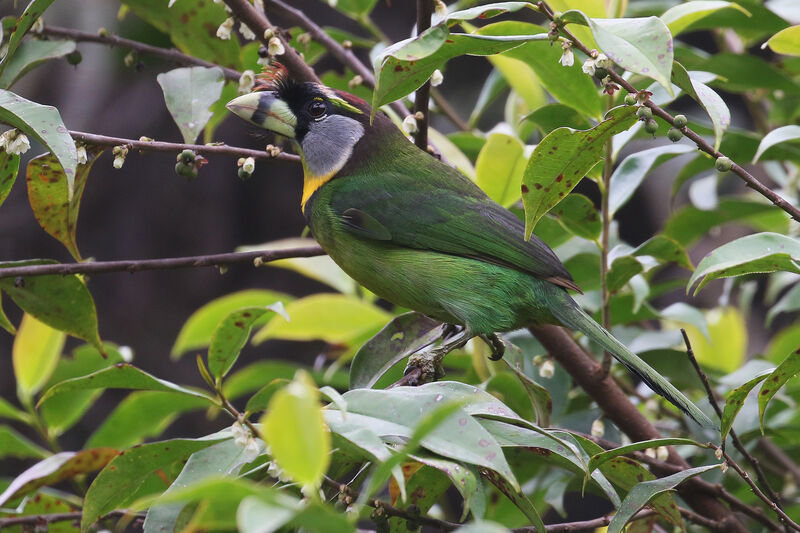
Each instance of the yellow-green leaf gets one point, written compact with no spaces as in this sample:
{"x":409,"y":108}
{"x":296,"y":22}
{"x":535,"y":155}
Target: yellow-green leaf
{"x":786,"y":41}
{"x":35,"y":354}
{"x":499,"y":167}
{"x":787,"y":369}
{"x":727,"y":346}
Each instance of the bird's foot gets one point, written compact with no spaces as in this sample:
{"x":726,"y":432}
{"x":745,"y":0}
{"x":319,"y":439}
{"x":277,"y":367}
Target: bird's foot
{"x":497,"y":345}
{"x":428,"y":364}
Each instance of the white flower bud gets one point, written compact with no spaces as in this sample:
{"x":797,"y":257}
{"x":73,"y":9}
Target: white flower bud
{"x":249,"y":165}
{"x":547,"y":369}
{"x":724,"y":467}
{"x":436,"y":78}
{"x":410,"y":124}
{"x":246,"y":32}
{"x":118,"y":162}
{"x":38,"y":25}
{"x":82,"y":158}
{"x":126,"y":352}
{"x":275,"y":47}
{"x":119,"y":156}
{"x":355,"y":81}
{"x":598,"y":428}
{"x":15,"y":142}
{"x":304,"y":38}
{"x":333,"y":3}
{"x":718,"y":453}
{"x":662,"y":453}
{"x":224,"y":30}
{"x":440,"y":8}
{"x":246,"y":81}
{"x":603,"y":61}
{"x":240,"y":434}
{"x":588,"y":67}
{"x":567,"y":58}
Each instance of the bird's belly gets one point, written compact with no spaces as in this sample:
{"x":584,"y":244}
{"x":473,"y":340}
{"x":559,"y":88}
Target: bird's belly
{"x":457,"y":290}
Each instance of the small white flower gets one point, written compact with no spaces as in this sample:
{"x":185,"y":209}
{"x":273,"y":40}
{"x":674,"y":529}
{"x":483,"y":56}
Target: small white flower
{"x":436,"y":78}
{"x":718,"y":453}
{"x":15,"y":142}
{"x":171,"y":3}
{"x":724,"y":467}
{"x":126,"y":352}
{"x":118,"y":162}
{"x":246,"y":81}
{"x":246,"y":32}
{"x":224,"y":30}
{"x":588,"y":67}
{"x":547,"y":369}
{"x":240,"y":434}
{"x":304,"y":38}
{"x":567,"y":58}
{"x":662,"y":453}
{"x":130,"y":59}
{"x":81,"y":151}
{"x":598,"y":428}
{"x":249,"y":165}
{"x":410,"y":124}
{"x":603,"y":61}
{"x":440,"y":8}
{"x":355,"y":81}
{"x":649,"y":452}
{"x":119,"y":156}
{"x":275,"y":47}
{"x":38,"y":25}
{"x":333,"y":3}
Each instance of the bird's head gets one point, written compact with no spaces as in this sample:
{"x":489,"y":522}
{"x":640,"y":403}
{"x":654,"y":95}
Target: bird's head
{"x":326,"y":124}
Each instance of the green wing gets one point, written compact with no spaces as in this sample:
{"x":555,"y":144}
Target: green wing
{"x":441,"y":210}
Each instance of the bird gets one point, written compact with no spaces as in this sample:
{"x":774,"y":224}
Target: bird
{"x":419,"y":233}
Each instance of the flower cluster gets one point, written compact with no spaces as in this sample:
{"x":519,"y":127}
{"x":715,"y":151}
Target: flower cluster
{"x":14,"y":142}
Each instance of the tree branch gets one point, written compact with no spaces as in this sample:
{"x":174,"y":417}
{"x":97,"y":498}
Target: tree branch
{"x":161,"y":146}
{"x":170,"y":263}
{"x":423,"y":94}
{"x":750,"y":180}
{"x":45,"y":519}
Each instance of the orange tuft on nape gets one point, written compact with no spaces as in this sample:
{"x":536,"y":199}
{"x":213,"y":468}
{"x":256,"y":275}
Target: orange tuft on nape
{"x":272,"y":77}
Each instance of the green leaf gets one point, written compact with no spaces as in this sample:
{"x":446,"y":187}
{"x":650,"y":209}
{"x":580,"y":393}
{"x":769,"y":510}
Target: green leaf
{"x":296,"y":433}
{"x":645,"y":491}
{"x":538,"y":395}
{"x":562,"y":159}
{"x":499,"y":167}
{"x":640,"y":45}
{"x":735,"y":401}
{"x":776,"y":136}
{"x":786,"y":41}
{"x":578,"y":215}
{"x":788,"y":303}
{"x":21,"y":27}
{"x":403,"y":336}
{"x":137,"y":472}
{"x":189,"y":92}
{"x":482,"y":12}
{"x":679,"y":17}
{"x":199,"y":328}
{"x":704,"y":95}
{"x":254,"y":513}
{"x":44,"y":124}
{"x":761,"y":252}
{"x":12,"y":413}
{"x":260,"y":400}
{"x":16,"y":446}
{"x":58,"y":467}
{"x":687,"y":314}
{"x":598,"y":459}
{"x":631,"y":172}
{"x":232,"y":333}
{"x":355,"y":7}
{"x":35,"y":354}
{"x":120,"y":376}
{"x":42,"y":502}
{"x":745,"y":72}
{"x":622,"y":269}
{"x":665,"y":249}
{"x":191,"y":24}
{"x":48,"y":191}
{"x":334,"y":318}
{"x":787,"y":369}
{"x":552,"y":116}
{"x":9,"y":167}
{"x":404,"y":66}
{"x":30,"y":55}
{"x":725,"y":346}
{"x":568,"y":85}
{"x":462,"y":478}
{"x":141,"y":415}
{"x":61,"y":302}
{"x":518,"y":498}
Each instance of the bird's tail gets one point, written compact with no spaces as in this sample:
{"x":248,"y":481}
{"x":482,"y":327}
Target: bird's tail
{"x":573,"y":317}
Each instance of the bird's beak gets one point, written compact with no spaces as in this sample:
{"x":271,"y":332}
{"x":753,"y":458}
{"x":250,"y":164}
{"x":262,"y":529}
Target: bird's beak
{"x":265,"y":110}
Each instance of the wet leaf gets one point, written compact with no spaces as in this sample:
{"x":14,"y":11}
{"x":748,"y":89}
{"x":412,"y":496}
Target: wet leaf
{"x":562,"y":159}
{"x":9,"y":167}
{"x":709,"y":100}
{"x":189,"y":92}
{"x":232,"y":333}
{"x":30,"y":55}
{"x":735,"y":401}
{"x":461,"y":477}
{"x":403,"y":336}
{"x":48,"y":193}
{"x":777,"y":136}
{"x":761,"y":252}
{"x":44,"y":124}
{"x":35,"y":353}
{"x":679,"y":17}
{"x":787,"y":369}
{"x":58,"y":467}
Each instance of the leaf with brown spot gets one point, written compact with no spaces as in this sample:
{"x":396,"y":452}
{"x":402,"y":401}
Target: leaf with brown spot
{"x":58,"y":467}
{"x":232,"y":333}
{"x":24,"y":23}
{"x":735,"y":402}
{"x":787,"y":369}
{"x":9,"y":166}
{"x":578,"y":151}
{"x":48,"y":195}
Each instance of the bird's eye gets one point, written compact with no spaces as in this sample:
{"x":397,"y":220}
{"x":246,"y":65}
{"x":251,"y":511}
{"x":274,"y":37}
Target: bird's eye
{"x":317,"y":108}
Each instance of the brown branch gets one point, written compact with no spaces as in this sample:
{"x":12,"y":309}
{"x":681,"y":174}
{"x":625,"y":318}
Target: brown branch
{"x":423,"y":94}
{"x":750,"y":180}
{"x":170,"y":263}
{"x":169,"y":54}
{"x":45,"y":519}
{"x":617,"y":407}
{"x":259,"y":24}
{"x":161,"y":146}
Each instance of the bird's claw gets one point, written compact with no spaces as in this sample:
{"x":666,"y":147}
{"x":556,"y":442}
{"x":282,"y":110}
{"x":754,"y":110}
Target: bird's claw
{"x":497,"y":345}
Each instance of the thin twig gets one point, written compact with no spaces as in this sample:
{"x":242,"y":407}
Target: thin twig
{"x":608,"y":167}
{"x":161,"y":146}
{"x":45,"y":519}
{"x":750,"y":180}
{"x":423,"y":94}
{"x":770,"y":503}
{"x":169,"y":54}
{"x":170,"y":263}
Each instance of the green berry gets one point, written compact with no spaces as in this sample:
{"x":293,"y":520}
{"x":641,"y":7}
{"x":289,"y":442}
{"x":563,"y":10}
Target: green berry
{"x":187,"y":171}
{"x":600,"y":73}
{"x":244,"y":175}
{"x":674,"y":135}
{"x":74,"y":58}
{"x":644,"y":113}
{"x":630,"y":99}
{"x":723,"y":164}
{"x":557,"y":17}
{"x":680,"y":121}
{"x":187,"y":156}
{"x":651,"y":126}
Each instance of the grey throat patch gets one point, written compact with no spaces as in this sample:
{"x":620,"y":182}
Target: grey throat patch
{"x":329,"y":143}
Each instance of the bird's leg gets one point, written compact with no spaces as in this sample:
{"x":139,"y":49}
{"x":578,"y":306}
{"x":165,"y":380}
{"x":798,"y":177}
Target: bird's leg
{"x":497,"y":345}
{"x":429,"y":362}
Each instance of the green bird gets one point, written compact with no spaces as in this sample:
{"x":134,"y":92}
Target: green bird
{"x":419,"y":233}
